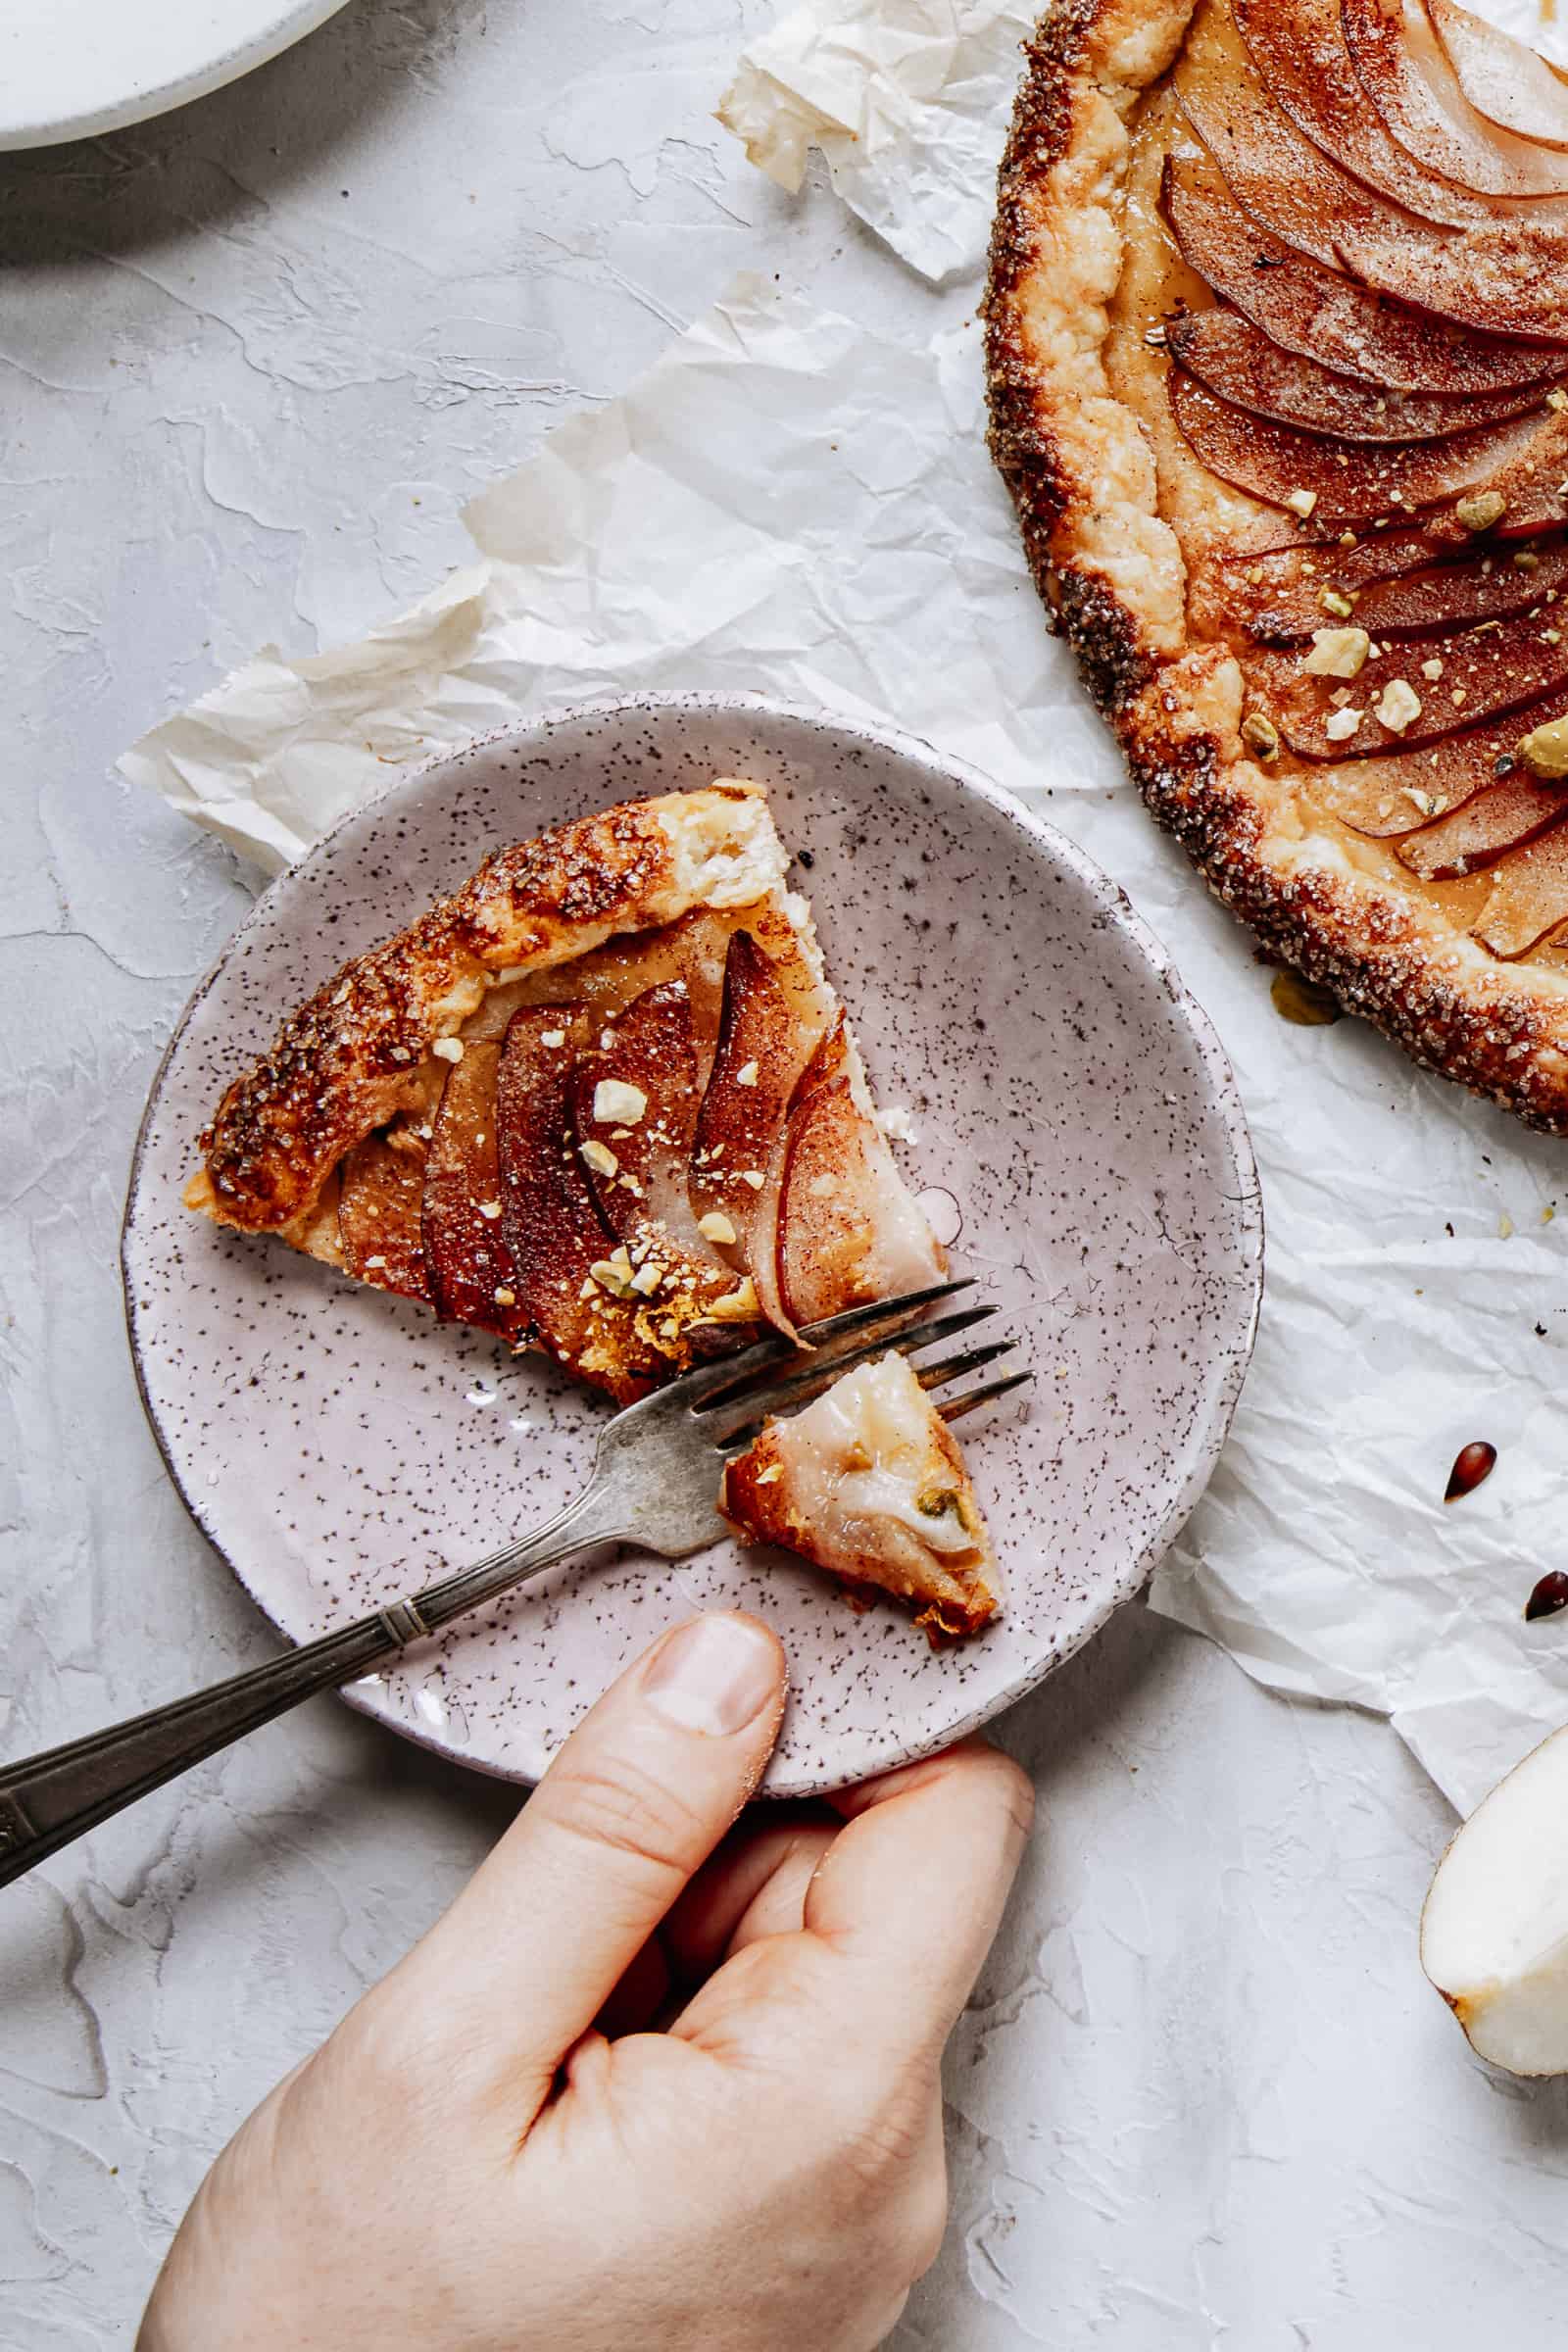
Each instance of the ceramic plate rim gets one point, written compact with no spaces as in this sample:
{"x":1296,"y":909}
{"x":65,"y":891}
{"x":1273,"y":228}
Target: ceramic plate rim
{"x":1210,"y":1431}
{"x":271,"y":37}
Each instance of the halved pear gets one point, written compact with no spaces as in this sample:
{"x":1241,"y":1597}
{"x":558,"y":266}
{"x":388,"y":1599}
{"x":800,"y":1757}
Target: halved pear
{"x":1494,"y":1928}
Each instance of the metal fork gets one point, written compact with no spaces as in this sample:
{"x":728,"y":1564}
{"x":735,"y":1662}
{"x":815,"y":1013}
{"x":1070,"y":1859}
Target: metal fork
{"x":655,"y":1484}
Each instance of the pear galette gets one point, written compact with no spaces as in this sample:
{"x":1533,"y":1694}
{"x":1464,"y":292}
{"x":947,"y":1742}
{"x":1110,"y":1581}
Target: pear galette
{"x":1278,"y":363}
{"x":602,"y":1102}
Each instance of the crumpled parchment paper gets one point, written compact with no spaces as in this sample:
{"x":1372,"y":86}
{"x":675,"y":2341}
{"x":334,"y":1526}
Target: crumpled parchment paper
{"x":791,"y":503}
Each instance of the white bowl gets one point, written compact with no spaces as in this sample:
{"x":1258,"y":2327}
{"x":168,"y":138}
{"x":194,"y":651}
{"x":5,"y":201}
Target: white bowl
{"x":1072,"y":1106}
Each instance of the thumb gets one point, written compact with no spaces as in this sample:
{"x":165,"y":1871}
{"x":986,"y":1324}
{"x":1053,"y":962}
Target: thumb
{"x":630,"y":1807}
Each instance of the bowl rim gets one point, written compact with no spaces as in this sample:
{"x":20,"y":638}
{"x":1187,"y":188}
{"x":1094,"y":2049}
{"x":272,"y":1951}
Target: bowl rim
{"x":1210,"y":1430}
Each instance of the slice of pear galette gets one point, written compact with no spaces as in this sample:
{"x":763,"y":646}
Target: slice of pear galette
{"x":603,"y":1102}
{"x":1277,"y":360}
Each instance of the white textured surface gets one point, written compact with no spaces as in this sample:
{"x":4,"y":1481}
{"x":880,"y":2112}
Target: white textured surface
{"x":1204,"y":2099}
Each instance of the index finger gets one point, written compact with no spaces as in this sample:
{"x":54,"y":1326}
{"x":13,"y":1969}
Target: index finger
{"x":911,"y":1894}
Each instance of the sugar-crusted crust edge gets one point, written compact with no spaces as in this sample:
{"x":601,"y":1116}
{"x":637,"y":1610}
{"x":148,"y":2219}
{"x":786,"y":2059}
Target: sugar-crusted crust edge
{"x":357,"y":1052}
{"x":1083,"y":481}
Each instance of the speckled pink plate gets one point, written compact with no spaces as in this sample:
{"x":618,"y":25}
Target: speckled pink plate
{"x":1072,"y":1105}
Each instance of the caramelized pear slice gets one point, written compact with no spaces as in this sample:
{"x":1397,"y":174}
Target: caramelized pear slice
{"x":1300,"y":54}
{"x":1505,"y":80}
{"x":1321,"y":316}
{"x":1496,"y":668}
{"x":1529,"y":897}
{"x":1484,"y":830}
{"x":1347,"y":481}
{"x":1394,"y":587}
{"x":763,"y":1046}
{"x":1504,"y":274}
{"x":847,"y":1229}
{"x":868,"y":1483}
{"x":1405,"y":72}
{"x":553,"y":1229}
{"x":468,"y":1265}
{"x":379,"y":1204}
{"x":1237,"y":362}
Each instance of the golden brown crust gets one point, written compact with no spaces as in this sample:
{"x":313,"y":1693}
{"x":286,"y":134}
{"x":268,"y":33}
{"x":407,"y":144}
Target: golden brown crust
{"x":359,"y":1052}
{"x":1082,"y":471}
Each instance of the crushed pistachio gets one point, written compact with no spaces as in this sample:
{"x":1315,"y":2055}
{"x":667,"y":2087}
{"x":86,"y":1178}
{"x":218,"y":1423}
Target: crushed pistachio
{"x":1545,"y":750}
{"x":716,"y":1227}
{"x":1301,"y":502}
{"x":1261,"y":735}
{"x":599,"y":1157}
{"x":1480,"y":511}
{"x":1557,"y":398}
{"x":448,"y":1049}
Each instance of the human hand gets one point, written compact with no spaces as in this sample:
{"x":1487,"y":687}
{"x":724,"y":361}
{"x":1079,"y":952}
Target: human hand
{"x":496,"y":2152}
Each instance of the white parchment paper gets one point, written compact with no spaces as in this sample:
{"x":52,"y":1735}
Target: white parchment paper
{"x":791,"y":503}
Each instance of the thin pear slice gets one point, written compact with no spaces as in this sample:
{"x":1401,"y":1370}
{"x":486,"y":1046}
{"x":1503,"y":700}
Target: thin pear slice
{"x":1347,"y":481}
{"x":553,"y":1229}
{"x":1393,"y":795}
{"x":763,"y":1046}
{"x":381,"y":1204}
{"x":847,"y":1229}
{"x":1237,"y":362}
{"x":1301,"y":52}
{"x":1495,"y":1927}
{"x":634,"y":1102}
{"x":1529,"y":897}
{"x":468,"y":1265}
{"x":1498,"y":668}
{"x":1484,"y":830}
{"x":1322,"y":315}
{"x":1407,"y":72}
{"x":1511,"y":84}
{"x":1393,"y":587}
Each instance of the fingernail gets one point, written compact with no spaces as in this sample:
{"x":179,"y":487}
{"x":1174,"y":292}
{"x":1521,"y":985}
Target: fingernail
{"x":714,"y":1675}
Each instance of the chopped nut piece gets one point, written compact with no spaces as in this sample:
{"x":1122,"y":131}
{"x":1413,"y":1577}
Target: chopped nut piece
{"x":736,"y":1306}
{"x":1398,"y":707}
{"x":553,"y":1038}
{"x":1432,"y":668}
{"x":716,"y":1227}
{"x":612,"y":1278}
{"x":1557,"y":399}
{"x":1155,"y":337}
{"x":753,"y":1177}
{"x":1301,"y":502}
{"x":647,"y":1279}
{"x":746,"y":1075}
{"x":371,"y":1263}
{"x":448,"y":1049}
{"x":490,"y":1209}
{"x":1480,"y":512}
{"x":1333,"y":600}
{"x":506,"y":1298}
{"x":1336,"y":653}
{"x":765,"y":1478}
{"x":599,"y":1157}
{"x":1545,"y":750}
{"x":1342,"y":726}
{"x":1526,"y":559}
{"x":1261,"y":735}
{"x":616,"y":1103}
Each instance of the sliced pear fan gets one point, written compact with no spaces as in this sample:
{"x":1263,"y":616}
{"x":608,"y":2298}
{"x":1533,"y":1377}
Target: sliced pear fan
{"x":1510,"y":83}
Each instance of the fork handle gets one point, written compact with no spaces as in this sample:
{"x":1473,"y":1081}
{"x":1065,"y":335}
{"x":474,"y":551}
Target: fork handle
{"x":48,"y":1799}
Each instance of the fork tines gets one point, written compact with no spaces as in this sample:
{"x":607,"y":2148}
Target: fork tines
{"x":839,"y":1344}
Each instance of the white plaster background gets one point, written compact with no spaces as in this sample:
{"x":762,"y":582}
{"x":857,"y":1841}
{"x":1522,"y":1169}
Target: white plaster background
{"x":252,"y":361}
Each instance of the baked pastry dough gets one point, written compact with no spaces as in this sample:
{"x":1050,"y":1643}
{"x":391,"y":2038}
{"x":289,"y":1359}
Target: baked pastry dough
{"x":1275,"y":318}
{"x":869,"y":1484}
{"x":604,"y":1102}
